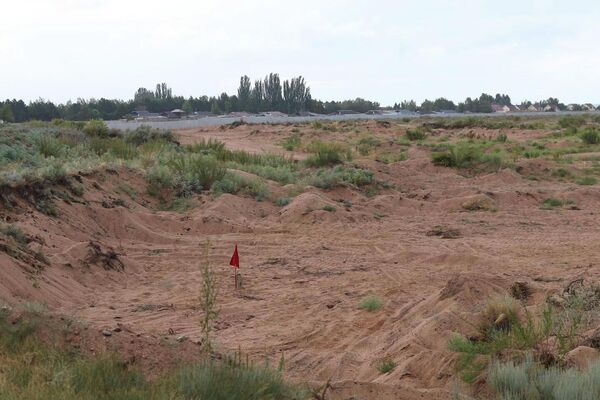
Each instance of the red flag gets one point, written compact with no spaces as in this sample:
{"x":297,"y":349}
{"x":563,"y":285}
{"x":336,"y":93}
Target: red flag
{"x":235,"y":259}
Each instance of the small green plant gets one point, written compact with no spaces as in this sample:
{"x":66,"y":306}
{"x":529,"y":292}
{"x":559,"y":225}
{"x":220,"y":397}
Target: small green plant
{"x":208,"y":299}
{"x":416,"y":134}
{"x":386,"y":366}
{"x":501,"y":138}
{"x":587,"y":180}
{"x":329,"y":208}
{"x":283,"y":201}
{"x":590,"y":136}
{"x":292,"y":142}
{"x":552,"y":203}
{"x":96,"y":128}
{"x":15,"y":233}
{"x":370,"y":303}
{"x":327,"y":154}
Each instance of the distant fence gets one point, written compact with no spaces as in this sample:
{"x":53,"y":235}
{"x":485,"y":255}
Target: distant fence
{"x":257,"y":119}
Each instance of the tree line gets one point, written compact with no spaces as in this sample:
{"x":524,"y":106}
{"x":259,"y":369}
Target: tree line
{"x":482,"y":104}
{"x":291,"y":96}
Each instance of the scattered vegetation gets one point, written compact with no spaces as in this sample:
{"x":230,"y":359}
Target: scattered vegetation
{"x":530,"y":380}
{"x":513,"y":340}
{"x":41,"y":369}
{"x":551,"y":203}
{"x":464,"y":155}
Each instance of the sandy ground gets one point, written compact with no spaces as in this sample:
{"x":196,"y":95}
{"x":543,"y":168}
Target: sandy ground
{"x":305,"y":269}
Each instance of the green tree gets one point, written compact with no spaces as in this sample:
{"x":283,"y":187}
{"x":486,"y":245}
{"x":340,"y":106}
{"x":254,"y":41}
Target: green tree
{"x":244,"y":93}
{"x":295,"y":94}
{"x":272,"y":92}
{"x":187,"y":106}
{"x":6,"y":113}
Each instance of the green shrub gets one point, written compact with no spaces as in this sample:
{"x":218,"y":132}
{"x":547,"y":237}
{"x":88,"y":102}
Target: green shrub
{"x":501,"y":138}
{"x":283,"y":174}
{"x":117,"y":147}
{"x":292,"y":142}
{"x":367,"y":143}
{"x":159,"y":177}
{"x":234,"y":184}
{"x":96,"y":128}
{"x":590,"y":136}
{"x":587,"y":180}
{"x":234,"y":380}
{"x":370,"y":303}
{"x":468,"y":156}
{"x":15,"y":233}
{"x":386,"y":366}
{"x":551,"y":202}
{"x":572,"y":121}
{"x":530,"y":380}
{"x":416,"y":134}
{"x":283,"y":201}
{"x":145,"y":134}
{"x":329,"y":208}
{"x":327,"y":153}
{"x":49,"y":146}
{"x":196,"y":172}
{"x":327,"y":178}
{"x":461,"y":155}
{"x":207,"y":146}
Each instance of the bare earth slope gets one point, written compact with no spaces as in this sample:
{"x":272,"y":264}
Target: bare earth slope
{"x":305,"y":269}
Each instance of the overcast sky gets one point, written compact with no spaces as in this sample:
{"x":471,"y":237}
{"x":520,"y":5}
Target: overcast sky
{"x":381,"y":50}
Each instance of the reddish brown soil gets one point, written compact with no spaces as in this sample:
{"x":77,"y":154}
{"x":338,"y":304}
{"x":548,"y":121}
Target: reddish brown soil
{"x":305,"y":270}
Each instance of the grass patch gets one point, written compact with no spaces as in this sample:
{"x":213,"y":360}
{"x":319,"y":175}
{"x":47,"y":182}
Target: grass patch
{"x":292,"y":143}
{"x":370,"y":303}
{"x":37,"y":369}
{"x":551,"y":203}
{"x":386,"y":366}
{"x":234,"y":184}
{"x":327,"y":154}
{"x":587,"y":180}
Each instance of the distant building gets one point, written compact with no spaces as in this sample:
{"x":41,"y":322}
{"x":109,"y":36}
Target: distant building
{"x":374,"y":112}
{"x":273,"y":114}
{"x":551,"y":108}
{"x":176,"y":113}
{"x":239,"y":114}
{"x":532,"y":108}
{"x":500,"y":108}
{"x":344,"y":112}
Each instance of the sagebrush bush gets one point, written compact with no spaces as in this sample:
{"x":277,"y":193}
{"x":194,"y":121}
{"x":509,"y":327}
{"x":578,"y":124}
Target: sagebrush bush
{"x":96,"y":128}
{"x":234,"y":184}
{"x":38,"y":369}
{"x":416,"y":134}
{"x":145,"y":134}
{"x":530,"y":380}
{"x":49,"y":146}
{"x":327,"y":178}
{"x":196,"y":172}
